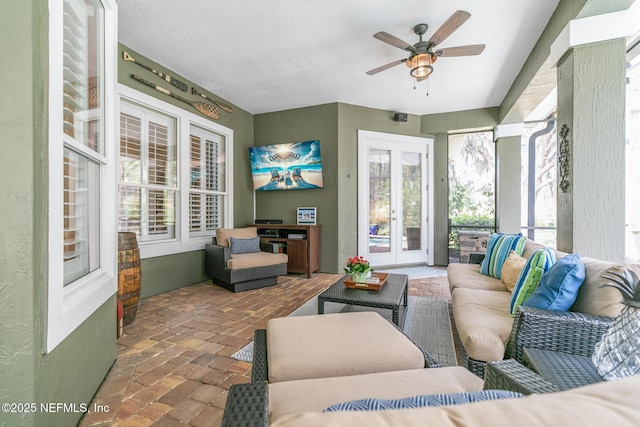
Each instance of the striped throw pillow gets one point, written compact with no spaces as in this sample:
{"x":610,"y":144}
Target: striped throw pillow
{"x":498,"y":248}
{"x":373,"y":404}
{"x":539,"y":262}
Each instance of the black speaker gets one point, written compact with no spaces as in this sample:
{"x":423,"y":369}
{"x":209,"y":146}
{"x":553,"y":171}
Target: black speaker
{"x":400,"y":117}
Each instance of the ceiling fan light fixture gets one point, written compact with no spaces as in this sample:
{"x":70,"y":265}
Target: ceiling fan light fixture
{"x":420,"y":64}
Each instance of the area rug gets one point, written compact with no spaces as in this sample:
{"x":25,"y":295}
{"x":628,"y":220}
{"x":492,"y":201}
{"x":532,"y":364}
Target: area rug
{"x":419,"y":272}
{"x":427,"y":322}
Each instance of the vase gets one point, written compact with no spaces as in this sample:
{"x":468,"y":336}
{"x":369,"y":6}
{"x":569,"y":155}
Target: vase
{"x":360,"y":277}
{"x":617,"y":354}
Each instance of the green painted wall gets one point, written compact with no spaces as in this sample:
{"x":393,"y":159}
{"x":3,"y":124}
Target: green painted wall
{"x":162,"y":274}
{"x":166,"y":273}
{"x":72,"y":372}
{"x":18,"y":312}
{"x":303,"y":124}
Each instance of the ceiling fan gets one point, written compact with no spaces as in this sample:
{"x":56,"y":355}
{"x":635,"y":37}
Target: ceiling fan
{"x":422,"y":55}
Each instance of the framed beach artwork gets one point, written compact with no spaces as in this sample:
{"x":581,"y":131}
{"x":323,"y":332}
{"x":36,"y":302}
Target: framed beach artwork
{"x":306,"y":216}
{"x":294,"y":166}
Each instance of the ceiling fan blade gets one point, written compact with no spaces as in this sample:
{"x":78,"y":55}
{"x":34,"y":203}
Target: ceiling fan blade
{"x":385,"y":67}
{"x":393,"y":41}
{"x":453,"y":23}
{"x":472,"y":49}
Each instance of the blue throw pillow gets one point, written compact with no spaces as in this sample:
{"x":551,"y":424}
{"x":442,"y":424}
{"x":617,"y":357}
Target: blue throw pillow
{"x":538,"y":263}
{"x":498,"y":248}
{"x":243,"y":245}
{"x":372,"y":404}
{"x":558,"y":288}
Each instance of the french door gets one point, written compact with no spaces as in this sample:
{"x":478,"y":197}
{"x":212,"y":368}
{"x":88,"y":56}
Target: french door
{"x":395,"y":207}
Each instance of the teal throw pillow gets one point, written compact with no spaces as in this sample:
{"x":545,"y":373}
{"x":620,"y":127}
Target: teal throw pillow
{"x":373,"y":404}
{"x":559,"y":286}
{"x":498,"y":248}
{"x":244,"y":245}
{"x":539,"y":262}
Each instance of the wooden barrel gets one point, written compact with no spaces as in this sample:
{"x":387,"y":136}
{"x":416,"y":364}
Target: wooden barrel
{"x":129,"y":275}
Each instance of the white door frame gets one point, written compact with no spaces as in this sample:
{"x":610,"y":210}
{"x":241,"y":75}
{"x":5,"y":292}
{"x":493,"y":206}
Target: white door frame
{"x":367,"y":140}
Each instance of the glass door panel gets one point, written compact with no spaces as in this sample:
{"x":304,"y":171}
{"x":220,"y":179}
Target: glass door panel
{"x":411,"y":201}
{"x":379,"y":200}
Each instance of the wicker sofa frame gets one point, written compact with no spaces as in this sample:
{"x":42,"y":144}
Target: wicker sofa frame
{"x":216,"y":258}
{"x":260,"y":368}
{"x":561,"y":331}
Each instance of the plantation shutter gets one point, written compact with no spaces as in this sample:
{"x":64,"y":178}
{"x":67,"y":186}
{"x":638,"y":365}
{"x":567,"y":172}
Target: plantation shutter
{"x":207,"y":179}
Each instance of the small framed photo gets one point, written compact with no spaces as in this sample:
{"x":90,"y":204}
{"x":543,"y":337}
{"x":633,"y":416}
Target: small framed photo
{"x":306,"y":216}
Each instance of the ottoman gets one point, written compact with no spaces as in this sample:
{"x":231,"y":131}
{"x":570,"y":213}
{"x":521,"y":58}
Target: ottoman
{"x":336,"y":345}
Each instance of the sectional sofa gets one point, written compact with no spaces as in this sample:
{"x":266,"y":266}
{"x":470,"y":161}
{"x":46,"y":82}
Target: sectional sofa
{"x":487,"y":331}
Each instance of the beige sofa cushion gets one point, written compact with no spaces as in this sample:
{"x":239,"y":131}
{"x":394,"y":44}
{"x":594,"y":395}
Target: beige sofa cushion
{"x":530,"y":247}
{"x":318,"y":394}
{"x":255,"y":259}
{"x":592,"y":298}
{"x":483,"y":322}
{"x":469,"y":276}
{"x":223,"y":234}
{"x":333,"y":345}
{"x":613,"y":403}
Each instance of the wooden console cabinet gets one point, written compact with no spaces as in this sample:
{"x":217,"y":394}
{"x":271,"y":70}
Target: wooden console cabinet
{"x":301,"y":243}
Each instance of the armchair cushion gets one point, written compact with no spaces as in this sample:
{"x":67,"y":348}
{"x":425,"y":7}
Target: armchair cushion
{"x":240,"y":245}
{"x":255,"y":259}
{"x":223,"y":234}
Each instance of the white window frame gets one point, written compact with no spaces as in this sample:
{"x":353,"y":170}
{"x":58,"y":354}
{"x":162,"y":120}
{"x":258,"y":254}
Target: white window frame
{"x":183,"y":242}
{"x":69,"y":306}
{"x":127,"y":107}
{"x":203,"y":192}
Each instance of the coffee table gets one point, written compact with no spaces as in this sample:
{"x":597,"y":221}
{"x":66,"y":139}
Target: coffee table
{"x":392,"y":296}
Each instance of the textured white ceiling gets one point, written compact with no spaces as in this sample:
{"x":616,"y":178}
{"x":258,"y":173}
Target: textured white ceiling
{"x":266,"y":56}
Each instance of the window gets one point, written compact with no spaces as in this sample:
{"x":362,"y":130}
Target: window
{"x":148,"y":173}
{"x":173,"y":190}
{"x":472,"y":184}
{"x":632,"y":205}
{"x":539,"y":182}
{"x":207,"y":182}
{"x":82,"y":242}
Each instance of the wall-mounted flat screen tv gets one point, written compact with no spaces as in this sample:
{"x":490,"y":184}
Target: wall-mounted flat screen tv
{"x":295,"y":166}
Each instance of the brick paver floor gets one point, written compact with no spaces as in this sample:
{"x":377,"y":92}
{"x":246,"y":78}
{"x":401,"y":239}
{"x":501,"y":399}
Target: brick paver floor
{"x":173,"y":365}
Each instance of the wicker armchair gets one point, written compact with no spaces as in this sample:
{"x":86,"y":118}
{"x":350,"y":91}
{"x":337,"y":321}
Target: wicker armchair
{"x":216,"y":258}
{"x":562,"y":331}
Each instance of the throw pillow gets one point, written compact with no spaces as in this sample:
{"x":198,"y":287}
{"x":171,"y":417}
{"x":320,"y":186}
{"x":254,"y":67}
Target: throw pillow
{"x":511,"y":270}
{"x":244,"y":246}
{"x":558,"y":288}
{"x":539,"y":262}
{"x":373,"y":404}
{"x":498,"y":248}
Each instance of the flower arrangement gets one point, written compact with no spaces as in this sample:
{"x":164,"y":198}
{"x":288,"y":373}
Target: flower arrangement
{"x":357,"y":265}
